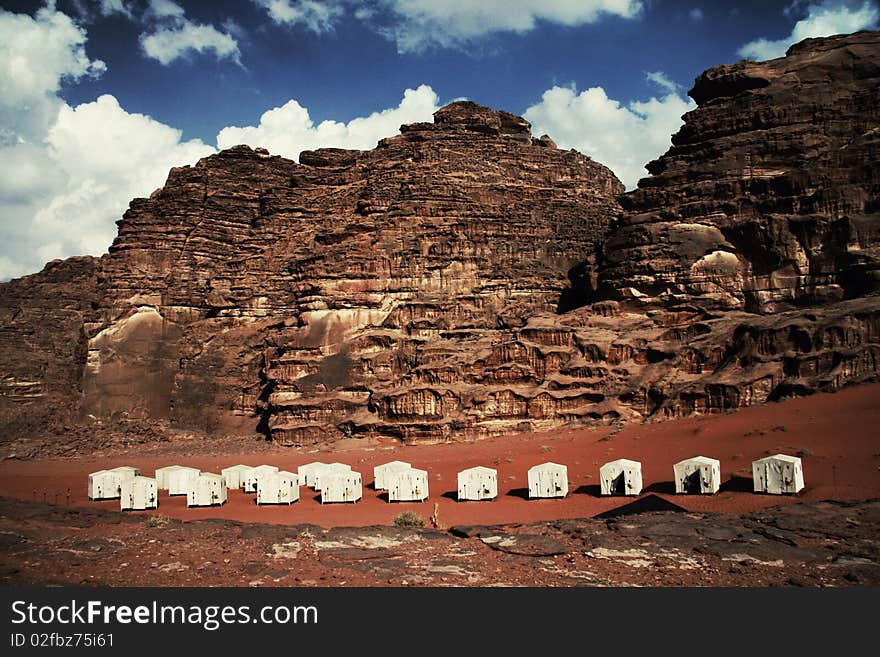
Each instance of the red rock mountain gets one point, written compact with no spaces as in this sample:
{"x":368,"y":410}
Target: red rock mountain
{"x":467,"y":279}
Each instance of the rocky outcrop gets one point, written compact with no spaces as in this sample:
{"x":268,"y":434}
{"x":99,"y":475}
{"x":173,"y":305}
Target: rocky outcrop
{"x":345,"y":292}
{"x":466,"y":279}
{"x":769,"y":198}
{"x":43,"y":344}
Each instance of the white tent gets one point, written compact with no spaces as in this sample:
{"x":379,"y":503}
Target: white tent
{"x":330,"y":468}
{"x":621,"y":477}
{"x":180,"y":478}
{"x":699,"y":474}
{"x":162,"y":475}
{"x":250,"y":478}
{"x":107,"y":484}
{"x":280,"y":487}
{"x":207,"y":489}
{"x":548,"y":480}
{"x":381,"y":472}
{"x":138,"y":493}
{"x":409,"y":485}
{"x":479,"y":483}
{"x":308,"y":471}
{"x":778,"y":474}
{"x":341,"y":486}
{"x":233,"y":475}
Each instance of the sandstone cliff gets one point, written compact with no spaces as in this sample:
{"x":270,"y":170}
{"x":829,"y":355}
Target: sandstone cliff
{"x":465,"y":278}
{"x":769,"y":198}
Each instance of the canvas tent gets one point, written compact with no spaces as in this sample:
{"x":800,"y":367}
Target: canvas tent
{"x":341,"y":486}
{"x":250,"y":478}
{"x":381,"y":472}
{"x":233,"y":475}
{"x":107,"y":484}
{"x":207,"y":489}
{"x":479,"y":483}
{"x":328,"y":469}
{"x":621,"y":477}
{"x":180,"y":478}
{"x":308,"y":471}
{"x":280,"y":487}
{"x":699,"y":475}
{"x":138,"y":493}
{"x":548,"y":480}
{"x":778,"y":474}
{"x":162,"y":475}
{"x":410,"y":485}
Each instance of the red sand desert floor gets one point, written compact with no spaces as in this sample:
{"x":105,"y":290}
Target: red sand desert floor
{"x":837,"y":435}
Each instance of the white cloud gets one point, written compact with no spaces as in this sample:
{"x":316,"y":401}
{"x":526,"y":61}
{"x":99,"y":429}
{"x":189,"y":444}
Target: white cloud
{"x":663,"y":81}
{"x":316,"y":16}
{"x":67,"y":174}
{"x":108,"y":156}
{"x":164,"y":9}
{"x":421,"y":24}
{"x":172,"y":42}
{"x":822,"y":20}
{"x":696,"y":14}
{"x":109,"y":7}
{"x":624,"y":138}
{"x":36,"y":54}
{"x":289,"y":129}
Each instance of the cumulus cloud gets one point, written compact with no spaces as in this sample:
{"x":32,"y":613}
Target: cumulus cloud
{"x":825,"y":19}
{"x":67,"y":174}
{"x":696,"y":14}
{"x":420,"y":24}
{"x":316,"y":16}
{"x":289,"y":130}
{"x":417,"y":25}
{"x":182,"y":37}
{"x":164,"y":9}
{"x":108,"y":157}
{"x":622,"y":137}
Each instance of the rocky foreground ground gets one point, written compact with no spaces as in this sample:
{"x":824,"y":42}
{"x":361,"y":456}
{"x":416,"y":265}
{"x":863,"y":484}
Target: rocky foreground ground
{"x":813,"y":544}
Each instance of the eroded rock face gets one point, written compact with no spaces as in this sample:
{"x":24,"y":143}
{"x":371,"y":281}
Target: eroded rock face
{"x":42,"y":343}
{"x":769,"y":198}
{"x":346,"y":291}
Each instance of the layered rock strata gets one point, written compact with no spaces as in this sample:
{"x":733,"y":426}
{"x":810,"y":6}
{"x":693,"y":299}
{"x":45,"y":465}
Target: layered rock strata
{"x":769,"y":198}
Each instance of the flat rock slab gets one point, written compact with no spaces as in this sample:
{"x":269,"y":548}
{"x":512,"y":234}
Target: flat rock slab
{"x":529,"y":545}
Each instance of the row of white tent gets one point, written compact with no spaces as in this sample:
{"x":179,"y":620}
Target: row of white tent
{"x":337,"y":482}
{"x":777,"y":475}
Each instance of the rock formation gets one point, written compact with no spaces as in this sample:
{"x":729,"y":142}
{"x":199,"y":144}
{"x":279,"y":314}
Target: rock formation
{"x":769,"y":198}
{"x":465,"y":278}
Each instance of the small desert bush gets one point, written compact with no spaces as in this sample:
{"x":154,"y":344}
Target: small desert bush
{"x":158,"y":521}
{"x":804,"y":451}
{"x":409,"y":519}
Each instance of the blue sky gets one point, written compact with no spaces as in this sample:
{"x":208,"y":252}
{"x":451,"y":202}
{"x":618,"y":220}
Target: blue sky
{"x":98,"y":98}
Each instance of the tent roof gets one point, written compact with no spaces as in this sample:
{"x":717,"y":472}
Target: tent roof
{"x":266,"y":468}
{"x":780,"y":457}
{"x":480,"y":469}
{"x":549,"y":465}
{"x":313,"y":465}
{"x":287,"y":473}
{"x":700,"y":459}
{"x":123,"y":468}
{"x":394,"y":464}
{"x":210,"y":475}
{"x":237,"y":467}
{"x":99,"y":472}
{"x":623,"y":463}
{"x":168,"y":467}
